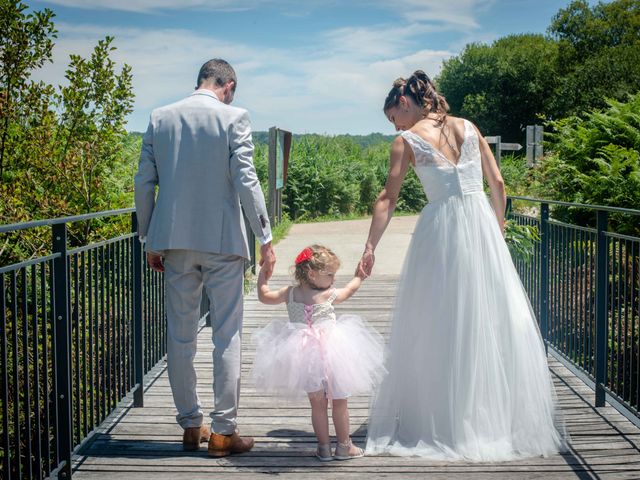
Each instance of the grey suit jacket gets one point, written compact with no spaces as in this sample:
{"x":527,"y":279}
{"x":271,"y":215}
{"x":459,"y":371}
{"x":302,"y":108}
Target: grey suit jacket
{"x":199,"y":153}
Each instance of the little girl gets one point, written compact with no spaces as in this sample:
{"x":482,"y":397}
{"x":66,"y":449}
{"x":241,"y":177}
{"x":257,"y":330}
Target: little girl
{"x":316,"y":354}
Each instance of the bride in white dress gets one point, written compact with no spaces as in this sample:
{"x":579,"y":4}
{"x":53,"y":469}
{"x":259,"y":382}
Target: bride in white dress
{"x":468,"y":375}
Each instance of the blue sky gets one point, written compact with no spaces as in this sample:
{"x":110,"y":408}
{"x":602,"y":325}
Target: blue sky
{"x":307,"y":66}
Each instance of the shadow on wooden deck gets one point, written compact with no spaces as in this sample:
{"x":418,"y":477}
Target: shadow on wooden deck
{"x":146,"y":442}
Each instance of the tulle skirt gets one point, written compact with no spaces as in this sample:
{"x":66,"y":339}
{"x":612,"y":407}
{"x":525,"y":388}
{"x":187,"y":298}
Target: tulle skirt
{"x":468,"y":376}
{"x":343,"y":358}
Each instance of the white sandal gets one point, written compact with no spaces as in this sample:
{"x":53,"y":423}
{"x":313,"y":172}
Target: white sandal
{"x":323,"y":452}
{"x":342,"y":451}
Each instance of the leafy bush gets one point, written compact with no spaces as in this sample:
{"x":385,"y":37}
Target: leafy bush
{"x":595,"y":159}
{"x":334,"y":176}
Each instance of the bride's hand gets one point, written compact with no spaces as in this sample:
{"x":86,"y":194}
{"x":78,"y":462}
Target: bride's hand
{"x":366,"y":263}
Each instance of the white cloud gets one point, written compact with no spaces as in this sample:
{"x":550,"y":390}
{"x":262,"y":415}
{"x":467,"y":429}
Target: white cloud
{"x":338,"y":89}
{"x":454,"y":13}
{"x":155,"y":5}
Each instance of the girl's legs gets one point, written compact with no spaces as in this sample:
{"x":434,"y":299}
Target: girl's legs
{"x":319,"y":416}
{"x":340,"y":414}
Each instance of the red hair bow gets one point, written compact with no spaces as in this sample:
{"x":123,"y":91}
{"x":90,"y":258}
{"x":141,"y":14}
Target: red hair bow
{"x":304,"y":255}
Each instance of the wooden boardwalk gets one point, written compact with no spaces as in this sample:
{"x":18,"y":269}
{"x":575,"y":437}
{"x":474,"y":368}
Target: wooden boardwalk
{"x":141,"y":443}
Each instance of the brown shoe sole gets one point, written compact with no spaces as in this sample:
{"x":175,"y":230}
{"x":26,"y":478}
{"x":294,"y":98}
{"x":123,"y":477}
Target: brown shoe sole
{"x":219,"y":453}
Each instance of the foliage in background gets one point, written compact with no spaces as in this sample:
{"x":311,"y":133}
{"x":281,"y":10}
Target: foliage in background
{"x":590,"y":53}
{"x":504,"y":86}
{"x":599,"y":54}
{"x":595,"y":159}
{"x":336,"y":176}
{"x":516,"y":174}
{"x":521,"y":240}
{"x":60,"y":146}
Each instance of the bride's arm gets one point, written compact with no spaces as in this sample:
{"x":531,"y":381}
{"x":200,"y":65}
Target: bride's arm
{"x":400,"y":159}
{"x":493,"y":176}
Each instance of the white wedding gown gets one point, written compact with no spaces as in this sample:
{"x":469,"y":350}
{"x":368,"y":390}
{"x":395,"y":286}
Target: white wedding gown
{"x":468,"y":376}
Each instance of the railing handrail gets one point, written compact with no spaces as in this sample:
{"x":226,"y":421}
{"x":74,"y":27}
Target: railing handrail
{"x":603,"y":208}
{"x":13,"y":227}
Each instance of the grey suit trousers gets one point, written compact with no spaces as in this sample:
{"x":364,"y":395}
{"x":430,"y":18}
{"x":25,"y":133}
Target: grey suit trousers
{"x":187,"y":272}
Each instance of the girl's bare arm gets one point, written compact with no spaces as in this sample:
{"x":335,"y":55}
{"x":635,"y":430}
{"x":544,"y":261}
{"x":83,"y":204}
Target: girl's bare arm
{"x":268,"y":296}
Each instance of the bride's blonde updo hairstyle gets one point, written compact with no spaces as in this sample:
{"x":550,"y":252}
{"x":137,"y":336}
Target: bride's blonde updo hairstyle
{"x":422,"y":91}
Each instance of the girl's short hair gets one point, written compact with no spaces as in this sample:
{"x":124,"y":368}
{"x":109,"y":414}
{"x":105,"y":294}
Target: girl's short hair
{"x":314,"y":257}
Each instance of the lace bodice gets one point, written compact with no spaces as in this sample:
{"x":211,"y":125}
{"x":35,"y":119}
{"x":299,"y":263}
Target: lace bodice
{"x":302,"y":313}
{"x":441,"y":178}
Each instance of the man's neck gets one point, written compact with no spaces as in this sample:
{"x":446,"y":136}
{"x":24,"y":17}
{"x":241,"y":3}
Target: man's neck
{"x":217,"y":92}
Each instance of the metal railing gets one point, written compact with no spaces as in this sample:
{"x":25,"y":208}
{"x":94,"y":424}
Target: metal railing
{"x":584,"y":286}
{"x":79,"y":328}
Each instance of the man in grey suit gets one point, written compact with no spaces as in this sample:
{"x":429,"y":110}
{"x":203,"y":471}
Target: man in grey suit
{"x":199,"y":153}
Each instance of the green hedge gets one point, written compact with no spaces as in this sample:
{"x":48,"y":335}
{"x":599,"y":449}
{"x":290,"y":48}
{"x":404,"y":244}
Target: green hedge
{"x":337,"y":176}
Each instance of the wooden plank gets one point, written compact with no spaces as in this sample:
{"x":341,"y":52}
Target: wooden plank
{"x":137,"y":443}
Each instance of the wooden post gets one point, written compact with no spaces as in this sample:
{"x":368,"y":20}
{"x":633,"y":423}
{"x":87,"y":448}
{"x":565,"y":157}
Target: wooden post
{"x":534,"y":144}
{"x":272,"y":201}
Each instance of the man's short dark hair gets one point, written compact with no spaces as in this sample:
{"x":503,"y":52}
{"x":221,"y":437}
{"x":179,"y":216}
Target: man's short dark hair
{"x":218,"y":72}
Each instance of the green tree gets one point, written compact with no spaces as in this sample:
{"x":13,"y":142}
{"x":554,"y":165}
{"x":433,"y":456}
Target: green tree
{"x":60,"y":146}
{"x":504,"y":86}
{"x":599,"y":54}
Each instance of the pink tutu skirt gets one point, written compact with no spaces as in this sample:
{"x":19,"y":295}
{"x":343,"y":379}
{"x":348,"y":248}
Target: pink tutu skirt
{"x":342,"y":358}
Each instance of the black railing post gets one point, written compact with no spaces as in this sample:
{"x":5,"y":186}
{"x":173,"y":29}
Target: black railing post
{"x":544,"y":271}
{"x":62,"y":350}
{"x":602,"y":257}
{"x":138,"y":337}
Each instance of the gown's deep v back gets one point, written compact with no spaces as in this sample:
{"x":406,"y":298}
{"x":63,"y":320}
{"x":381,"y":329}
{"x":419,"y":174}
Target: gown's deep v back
{"x":468,"y":377}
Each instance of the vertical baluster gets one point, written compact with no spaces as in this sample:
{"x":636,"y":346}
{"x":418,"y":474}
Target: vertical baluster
{"x":618,"y":299}
{"x":138,"y":341}
{"x":128,"y":315}
{"x":102,"y":338}
{"x":37,"y":453}
{"x":571,"y":278}
{"x":611,"y":310}
{"x":636,"y":322}
{"x":635,"y":314}
{"x":83,"y":325}
{"x":75,"y":318}
{"x":583,"y":301}
{"x":156,"y":323}
{"x":544,"y":271}
{"x":117,"y":316}
{"x":109,"y":326}
{"x":593,"y":281}
{"x":565,"y":290}
{"x":17,"y":464}
{"x":625,"y":337}
{"x":26,"y":386}
{"x":92,"y":321}
{"x":49,"y":443}
{"x":602,"y":254}
{"x":62,"y":346}
{"x":4,"y":390}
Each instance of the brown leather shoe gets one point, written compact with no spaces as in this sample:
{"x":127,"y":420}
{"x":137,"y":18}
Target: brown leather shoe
{"x":194,"y":436}
{"x":223,"y":445}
